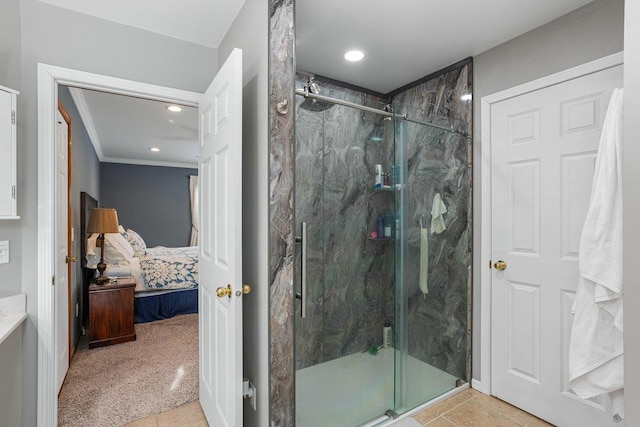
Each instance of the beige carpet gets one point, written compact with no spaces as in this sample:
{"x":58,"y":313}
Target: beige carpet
{"x":114,"y":385}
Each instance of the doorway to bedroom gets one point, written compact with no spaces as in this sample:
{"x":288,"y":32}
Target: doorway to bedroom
{"x":138,"y":156}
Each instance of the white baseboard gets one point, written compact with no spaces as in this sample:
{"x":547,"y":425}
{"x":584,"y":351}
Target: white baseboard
{"x":480,"y":386}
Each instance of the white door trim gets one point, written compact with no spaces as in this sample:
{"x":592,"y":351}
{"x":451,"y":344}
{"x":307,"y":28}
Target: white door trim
{"x":48,"y":79}
{"x":484,"y":384}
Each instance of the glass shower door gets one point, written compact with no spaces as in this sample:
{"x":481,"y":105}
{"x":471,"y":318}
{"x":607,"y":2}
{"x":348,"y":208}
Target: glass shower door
{"x":432,"y":261}
{"x":344,"y":375}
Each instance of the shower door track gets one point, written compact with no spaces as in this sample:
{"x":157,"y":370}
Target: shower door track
{"x":307,"y":94}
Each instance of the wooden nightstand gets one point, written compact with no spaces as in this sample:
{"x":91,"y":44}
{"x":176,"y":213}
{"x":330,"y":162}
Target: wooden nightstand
{"x":111,"y":313}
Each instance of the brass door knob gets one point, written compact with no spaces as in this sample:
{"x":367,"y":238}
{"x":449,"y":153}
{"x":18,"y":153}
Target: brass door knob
{"x":69,"y":259}
{"x":224,"y":292}
{"x":500,"y":265}
{"x":246,"y":289}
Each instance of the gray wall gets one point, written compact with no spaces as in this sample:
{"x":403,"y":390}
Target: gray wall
{"x":249,"y":32}
{"x":61,"y":37}
{"x":11,"y":350}
{"x":10,"y":55}
{"x":10,"y":44}
{"x":85,"y":176}
{"x":151,"y":200}
{"x":588,"y":33}
{"x":631,"y":182}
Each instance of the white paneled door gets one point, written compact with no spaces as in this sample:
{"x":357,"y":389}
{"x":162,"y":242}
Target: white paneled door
{"x":220,"y":261}
{"x":61,"y":293}
{"x":543,"y":150}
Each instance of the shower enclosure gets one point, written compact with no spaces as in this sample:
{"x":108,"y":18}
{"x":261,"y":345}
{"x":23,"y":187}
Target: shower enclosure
{"x":382,"y":319}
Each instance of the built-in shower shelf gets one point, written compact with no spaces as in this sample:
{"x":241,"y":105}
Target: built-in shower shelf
{"x":390,"y":188}
{"x":382,"y":239}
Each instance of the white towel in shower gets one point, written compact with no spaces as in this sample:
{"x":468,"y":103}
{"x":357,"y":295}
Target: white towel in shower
{"x":438,"y":209}
{"x":424,"y":261}
{"x":596,"y":345}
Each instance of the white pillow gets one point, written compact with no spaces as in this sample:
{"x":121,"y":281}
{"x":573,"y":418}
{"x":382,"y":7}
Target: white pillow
{"x":136,"y":242}
{"x":117,"y":249}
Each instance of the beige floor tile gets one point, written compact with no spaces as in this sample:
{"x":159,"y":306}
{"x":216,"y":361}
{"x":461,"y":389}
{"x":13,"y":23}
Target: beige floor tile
{"x":473,"y":413}
{"x":433,"y":412}
{"x":441,"y":422}
{"x":519,"y":416}
{"x":145,"y":422}
{"x":463,"y":396}
{"x":500,"y":406}
{"x":189,"y":415}
{"x":536,"y":422}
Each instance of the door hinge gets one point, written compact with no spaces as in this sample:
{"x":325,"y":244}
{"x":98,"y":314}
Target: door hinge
{"x":13,"y":117}
{"x":13,"y":192}
{"x":53,"y":280}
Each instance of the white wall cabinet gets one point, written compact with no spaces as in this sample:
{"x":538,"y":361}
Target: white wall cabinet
{"x":8,"y":156}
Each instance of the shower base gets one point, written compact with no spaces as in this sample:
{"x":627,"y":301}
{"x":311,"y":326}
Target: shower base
{"x":355,"y":389}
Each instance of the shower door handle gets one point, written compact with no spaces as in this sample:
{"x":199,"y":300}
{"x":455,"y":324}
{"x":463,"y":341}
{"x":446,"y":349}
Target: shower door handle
{"x":302,"y":296}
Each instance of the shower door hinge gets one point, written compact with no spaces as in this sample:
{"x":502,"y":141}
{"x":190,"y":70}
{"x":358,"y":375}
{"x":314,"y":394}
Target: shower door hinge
{"x":391,"y":414}
{"x":13,"y":117}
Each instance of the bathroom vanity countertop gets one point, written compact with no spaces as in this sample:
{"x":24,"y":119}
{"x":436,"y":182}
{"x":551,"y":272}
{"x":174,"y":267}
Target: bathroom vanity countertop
{"x":12,"y":314}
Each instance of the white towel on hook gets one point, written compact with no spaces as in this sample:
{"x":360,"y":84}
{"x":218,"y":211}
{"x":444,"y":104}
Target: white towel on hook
{"x":424,"y":260}
{"x":596,"y":345}
{"x":438,"y":209}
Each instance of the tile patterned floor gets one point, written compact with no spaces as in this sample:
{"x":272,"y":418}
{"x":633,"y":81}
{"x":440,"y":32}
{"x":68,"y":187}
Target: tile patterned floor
{"x":189,"y":415}
{"x":469,"y":408}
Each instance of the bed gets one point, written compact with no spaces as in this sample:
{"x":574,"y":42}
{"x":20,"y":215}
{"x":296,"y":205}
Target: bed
{"x":166,"y":278}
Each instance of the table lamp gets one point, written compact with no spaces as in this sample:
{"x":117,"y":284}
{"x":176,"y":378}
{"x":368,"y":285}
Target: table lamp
{"x":101,"y":221}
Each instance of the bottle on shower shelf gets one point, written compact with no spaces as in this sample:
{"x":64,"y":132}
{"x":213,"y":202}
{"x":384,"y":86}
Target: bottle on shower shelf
{"x":380,"y":227}
{"x":387,"y":335}
{"x":378,"y":183}
{"x":388,"y":221}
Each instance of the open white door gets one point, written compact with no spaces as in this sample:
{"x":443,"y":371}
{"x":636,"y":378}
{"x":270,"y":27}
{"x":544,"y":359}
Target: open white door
{"x":62,"y":278}
{"x":220,"y":290}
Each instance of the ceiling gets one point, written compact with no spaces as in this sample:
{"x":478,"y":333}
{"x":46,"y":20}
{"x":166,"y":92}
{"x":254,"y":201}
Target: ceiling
{"x":123,"y":129}
{"x":204,"y":22}
{"x":403,"y":41}
{"x":406,"y":40}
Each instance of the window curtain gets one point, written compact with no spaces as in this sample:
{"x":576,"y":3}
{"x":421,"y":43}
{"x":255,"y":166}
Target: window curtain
{"x":195,"y":207}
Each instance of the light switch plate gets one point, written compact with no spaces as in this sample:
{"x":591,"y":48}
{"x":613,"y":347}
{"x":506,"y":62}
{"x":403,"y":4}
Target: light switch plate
{"x":4,"y":252}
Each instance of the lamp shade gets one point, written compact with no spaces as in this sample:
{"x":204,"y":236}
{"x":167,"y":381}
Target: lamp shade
{"x":103,"y":220}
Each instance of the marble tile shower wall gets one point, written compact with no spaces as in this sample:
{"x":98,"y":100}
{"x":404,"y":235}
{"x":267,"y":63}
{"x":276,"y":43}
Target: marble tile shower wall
{"x":350,"y":278}
{"x":281,"y":137}
{"x":439,"y":162}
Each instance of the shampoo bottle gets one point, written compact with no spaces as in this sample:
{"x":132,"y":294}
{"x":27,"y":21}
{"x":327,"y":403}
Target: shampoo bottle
{"x":378,"y":183}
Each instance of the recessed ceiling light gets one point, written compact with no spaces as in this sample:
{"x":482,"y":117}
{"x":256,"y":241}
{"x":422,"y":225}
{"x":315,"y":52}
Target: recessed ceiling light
{"x":354,"y":55}
{"x":174,"y":108}
{"x":466,"y":97}
{"x":154,"y":149}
